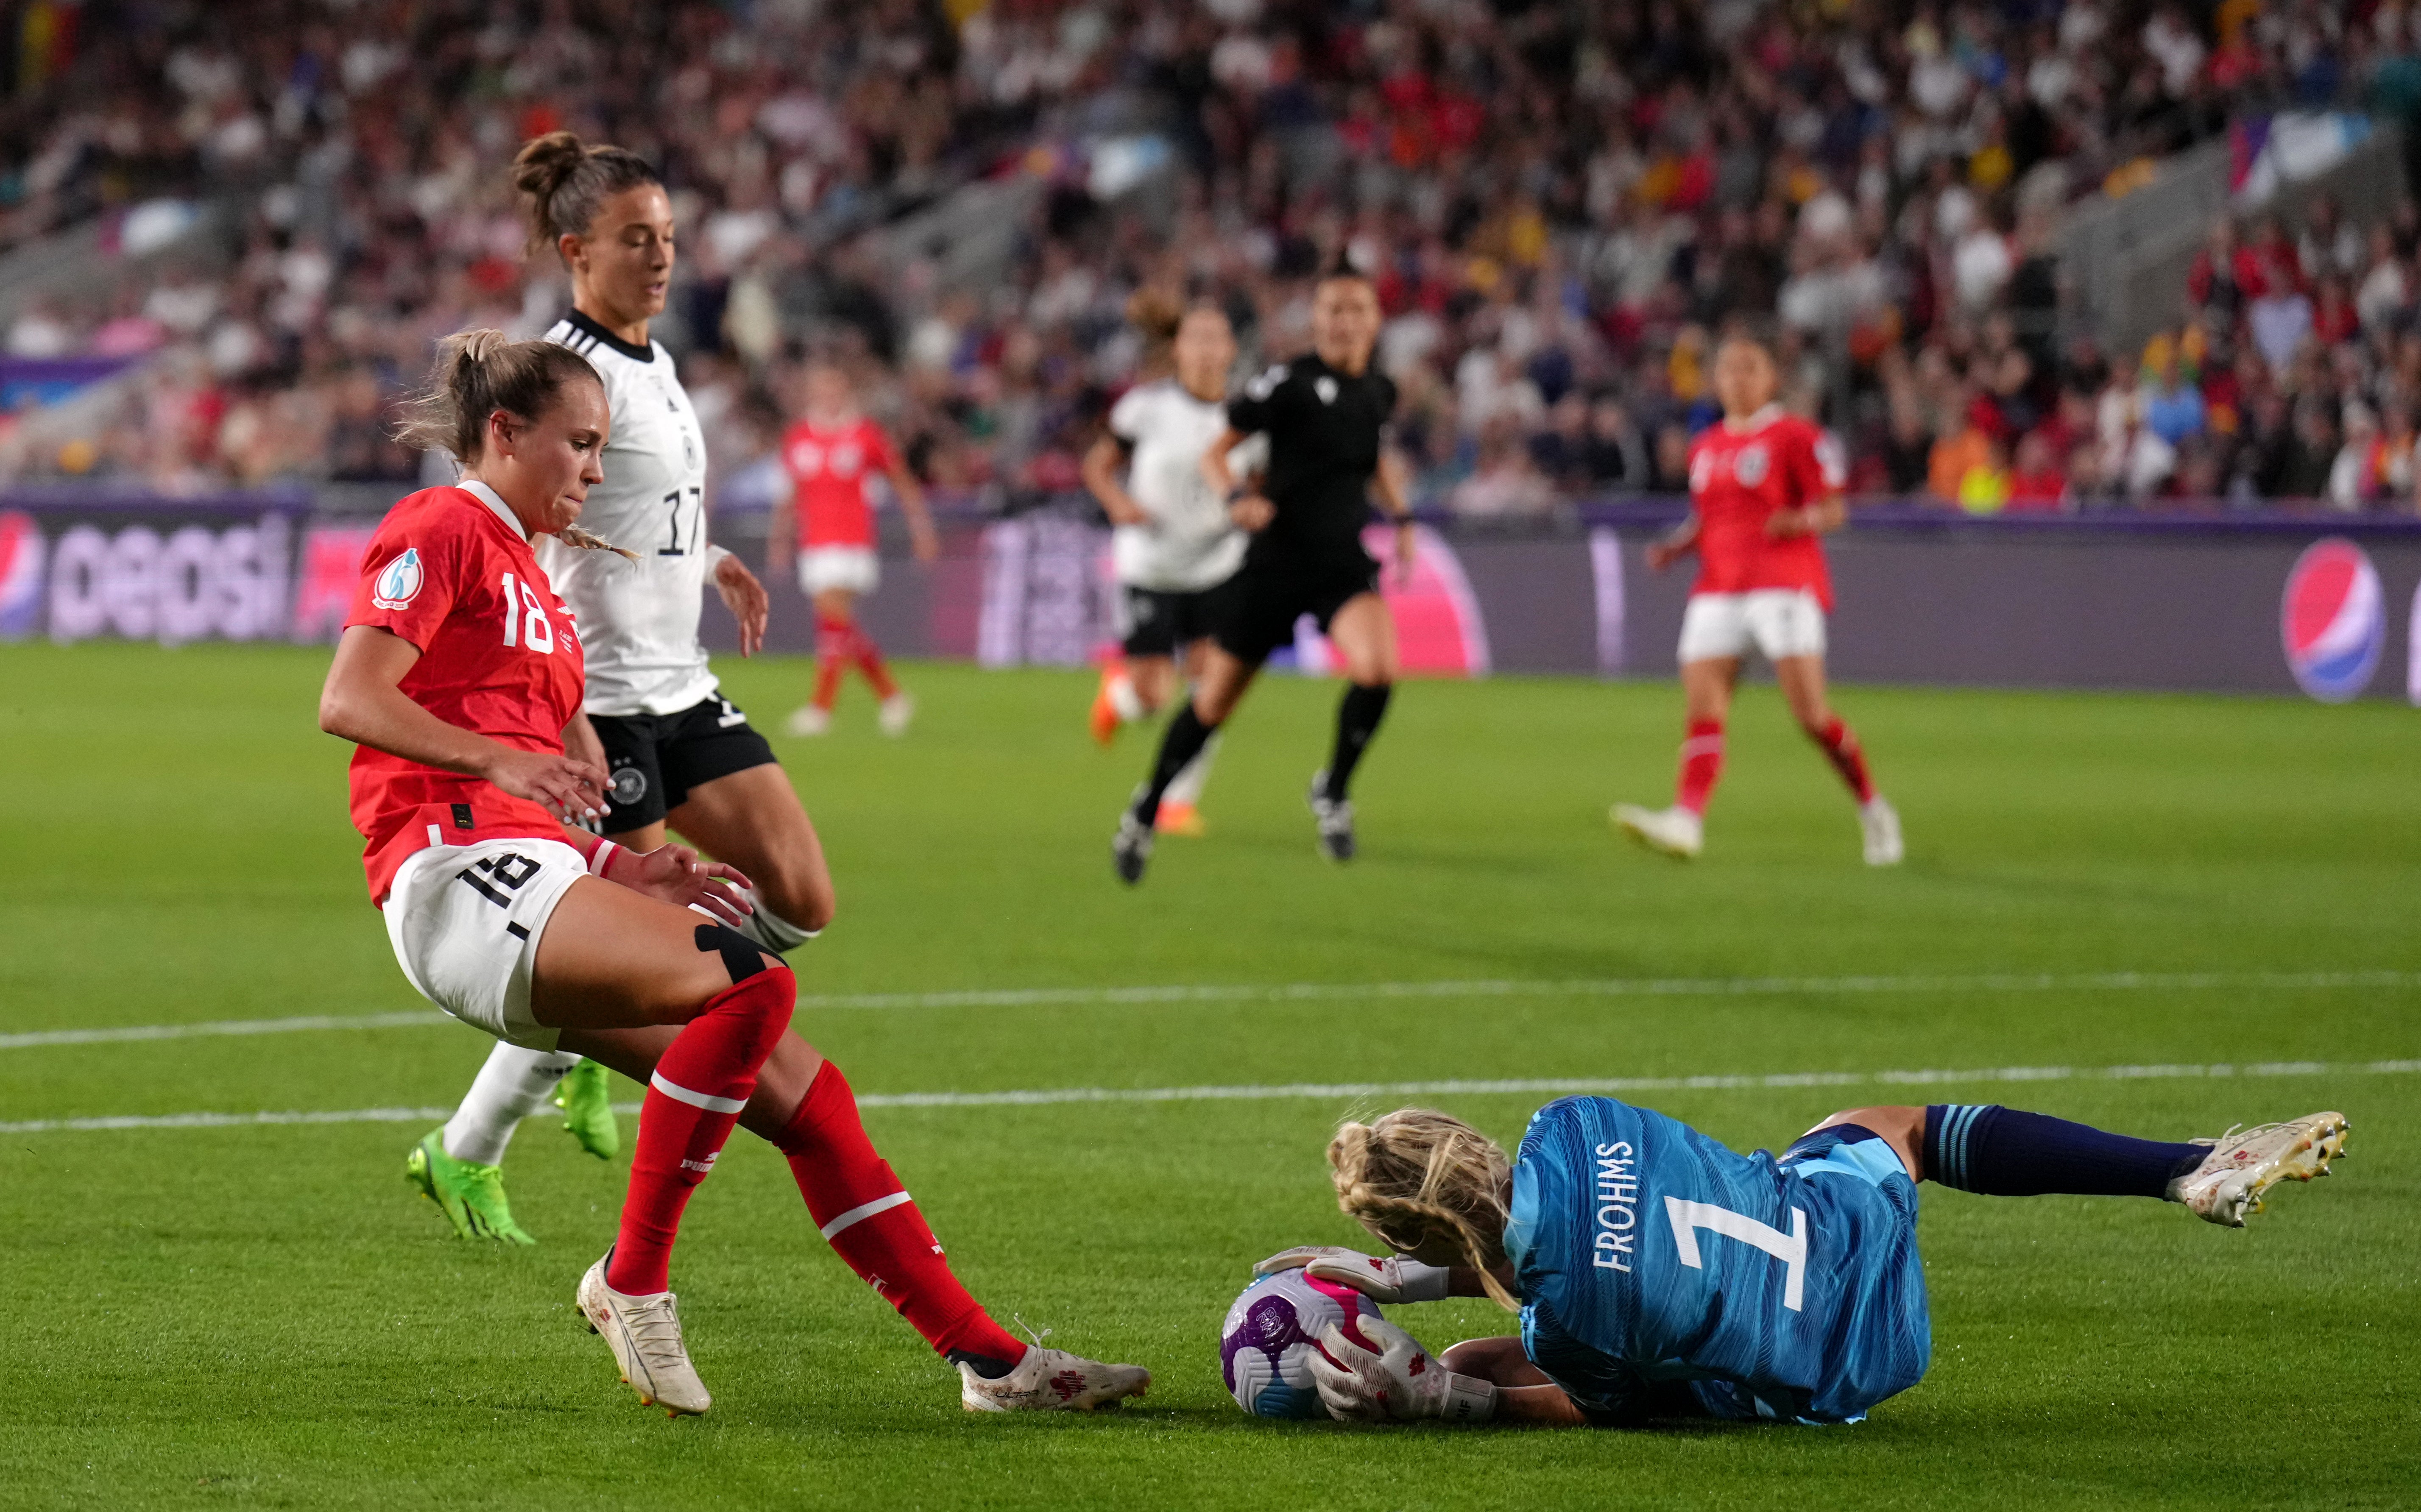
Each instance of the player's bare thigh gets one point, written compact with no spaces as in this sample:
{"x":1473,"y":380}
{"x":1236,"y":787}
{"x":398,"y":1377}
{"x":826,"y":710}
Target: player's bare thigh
{"x":753,"y":820}
{"x":1154,"y":677}
{"x":1904,"y":1128}
{"x":1363,"y":634}
{"x":1802,"y":681}
{"x":611,"y":958}
{"x":1221,"y":687}
{"x":1707,"y":685}
{"x":837,"y":604}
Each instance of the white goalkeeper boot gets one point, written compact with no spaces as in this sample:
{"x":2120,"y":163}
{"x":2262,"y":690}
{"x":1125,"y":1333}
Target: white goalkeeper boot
{"x":1673,"y":832}
{"x":644,"y":1334}
{"x":2244,"y":1163}
{"x":1052,"y":1380}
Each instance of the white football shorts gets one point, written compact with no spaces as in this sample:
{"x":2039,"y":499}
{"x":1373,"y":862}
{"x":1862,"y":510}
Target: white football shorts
{"x":465,"y":920}
{"x":854,"y":568}
{"x":1774,"y":622}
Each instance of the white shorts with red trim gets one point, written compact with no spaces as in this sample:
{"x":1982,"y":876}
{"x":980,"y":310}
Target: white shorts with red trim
{"x":465,"y":920}
{"x":854,"y":568}
{"x":1773,"y":622}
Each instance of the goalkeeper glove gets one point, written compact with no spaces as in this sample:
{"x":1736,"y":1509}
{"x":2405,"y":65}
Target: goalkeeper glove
{"x":1389,"y":1278}
{"x":1400,"y":1381}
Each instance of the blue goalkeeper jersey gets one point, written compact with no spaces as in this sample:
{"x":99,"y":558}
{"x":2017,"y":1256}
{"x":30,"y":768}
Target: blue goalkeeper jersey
{"x":1646,"y":1253}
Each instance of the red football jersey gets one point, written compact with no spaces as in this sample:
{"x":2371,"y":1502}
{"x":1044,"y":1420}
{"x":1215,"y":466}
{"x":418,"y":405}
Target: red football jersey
{"x":1737,"y":479}
{"x":828,"y":467}
{"x":450,"y":571}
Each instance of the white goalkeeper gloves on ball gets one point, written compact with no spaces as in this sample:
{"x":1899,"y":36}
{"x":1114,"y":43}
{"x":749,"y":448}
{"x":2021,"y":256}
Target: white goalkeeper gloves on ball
{"x":1389,"y":1278}
{"x":1400,"y":1382}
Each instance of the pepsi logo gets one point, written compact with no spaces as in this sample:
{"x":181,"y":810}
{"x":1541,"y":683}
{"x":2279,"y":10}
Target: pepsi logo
{"x":20,"y":573}
{"x":2332,"y":620}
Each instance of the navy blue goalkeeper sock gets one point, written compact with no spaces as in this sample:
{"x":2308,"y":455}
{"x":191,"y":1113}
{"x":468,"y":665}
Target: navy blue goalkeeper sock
{"x":2002,"y":1152}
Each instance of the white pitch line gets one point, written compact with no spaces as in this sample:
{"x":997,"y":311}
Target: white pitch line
{"x":1648,"y":987}
{"x":1331,"y":1091}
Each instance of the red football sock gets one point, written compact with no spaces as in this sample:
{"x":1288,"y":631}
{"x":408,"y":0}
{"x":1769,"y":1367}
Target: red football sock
{"x":870,"y":659}
{"x":1702,"y":762}
{"x":836,"y":648}
{"x":875,"y":1226}
{"x":1849,"y":758}
{"x":702,"y":1081}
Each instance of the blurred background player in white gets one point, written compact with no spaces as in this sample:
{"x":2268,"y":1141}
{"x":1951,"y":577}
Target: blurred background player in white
{"x":1173,"y":546}
{"x":829,"y":454}
{"x":679,"y":752}
{"x":1764,"y":485}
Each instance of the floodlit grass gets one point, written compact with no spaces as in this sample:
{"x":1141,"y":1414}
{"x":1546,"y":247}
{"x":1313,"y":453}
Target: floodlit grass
{"x":266,"y":1317}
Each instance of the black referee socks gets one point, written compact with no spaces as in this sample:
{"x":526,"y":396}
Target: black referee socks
{"x":1187,"y":735}
{"x":1358,"y":714}
{"x":2001,"y":1152}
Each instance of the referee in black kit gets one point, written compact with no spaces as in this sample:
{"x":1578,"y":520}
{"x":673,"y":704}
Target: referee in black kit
{"x":1326,"y":418}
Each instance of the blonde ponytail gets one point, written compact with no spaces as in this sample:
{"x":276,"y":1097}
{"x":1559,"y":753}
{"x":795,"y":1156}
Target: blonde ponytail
{"x":1415,"y":1173}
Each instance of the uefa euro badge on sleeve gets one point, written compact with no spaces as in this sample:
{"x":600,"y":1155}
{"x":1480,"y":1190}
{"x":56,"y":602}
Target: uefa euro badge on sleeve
{"x":400,"y":584}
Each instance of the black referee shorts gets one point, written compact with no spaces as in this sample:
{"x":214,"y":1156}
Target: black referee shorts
{"x":1269,"y":599}
{"x":1163,"y":622}
{"x":657,"y":758}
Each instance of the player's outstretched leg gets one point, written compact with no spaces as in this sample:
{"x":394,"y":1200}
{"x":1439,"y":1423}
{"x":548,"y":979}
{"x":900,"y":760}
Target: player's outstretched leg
{"x":1117,"y":702}
{"x":896,"y":707}
{"x":1358,"y":713}
{"x":1131,"y":847}
{"x":1680,"y":831}
{"x":2004,"y":1152}
{"x":696,"y":1093}
{"x":868,"y":1218}
{"x":1181,"y":807}
{"x":458,"y":1167}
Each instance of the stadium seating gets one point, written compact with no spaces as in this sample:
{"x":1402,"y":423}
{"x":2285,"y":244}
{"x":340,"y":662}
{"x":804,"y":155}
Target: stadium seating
{"x":1562,"y":203}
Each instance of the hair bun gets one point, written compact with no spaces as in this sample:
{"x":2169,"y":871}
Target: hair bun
{"x":545,"y":162}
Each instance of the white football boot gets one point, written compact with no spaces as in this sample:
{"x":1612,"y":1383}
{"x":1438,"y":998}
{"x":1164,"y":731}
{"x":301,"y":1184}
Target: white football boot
{"x":1673,"y":832}
{"x":893,"y":716}
{"x":644,"y":1334}
{"x":1881,"y":822}
{"x":809,"y":720}
{"x":2244,"y":1163}
{"x":1052,"y":1380}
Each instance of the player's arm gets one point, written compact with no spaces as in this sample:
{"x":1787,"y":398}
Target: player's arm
{"x":1676,"y":543}
{"x":363,"y":702}
{"x":1102,"y":464}
{"x":581,"y":743}
{"x":1819,"y":470}
{"x":922,"y":537}
{"x":1245,"y":504}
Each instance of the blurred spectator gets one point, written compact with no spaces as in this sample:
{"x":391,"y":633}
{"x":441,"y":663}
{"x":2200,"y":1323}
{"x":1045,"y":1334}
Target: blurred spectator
{"x":2036,"y":482}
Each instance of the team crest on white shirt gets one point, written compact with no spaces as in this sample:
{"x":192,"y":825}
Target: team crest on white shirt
{"x":1325,"y":387}
{"x":1749,"y":465}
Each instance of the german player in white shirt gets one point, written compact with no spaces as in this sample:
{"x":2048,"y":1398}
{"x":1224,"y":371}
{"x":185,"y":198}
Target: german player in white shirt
{"x":678,"y":753}
{"x":1173,"y":547}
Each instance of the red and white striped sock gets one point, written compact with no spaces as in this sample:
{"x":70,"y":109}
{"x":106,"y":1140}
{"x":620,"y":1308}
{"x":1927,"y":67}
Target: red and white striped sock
{"x":701,"y":1081}
{"x":1702,"y":762}
{"x":1841,"y":748}
{"x":871,"y":1222}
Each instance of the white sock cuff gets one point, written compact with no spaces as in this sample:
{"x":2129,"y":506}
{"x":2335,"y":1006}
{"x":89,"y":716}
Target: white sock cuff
{"x":775,"y":932}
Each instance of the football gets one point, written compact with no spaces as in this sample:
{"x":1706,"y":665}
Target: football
{"x":1265,"y":1345}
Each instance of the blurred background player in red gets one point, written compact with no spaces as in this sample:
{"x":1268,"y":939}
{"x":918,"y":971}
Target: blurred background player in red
{"x":829,"y":454}
{"x":1764,"y":484}
{"x":1175,"y":549}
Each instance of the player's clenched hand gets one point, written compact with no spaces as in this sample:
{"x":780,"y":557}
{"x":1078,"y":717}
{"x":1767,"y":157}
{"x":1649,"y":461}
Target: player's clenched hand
{"x":1398,"y":1379}
{"x":1785,"y":523}
{"x":1664,"y":553}
{"x":571,"y":788}
{"x":676,"y":874}
{"x":1381,"y":1278}
{"x":1252,"y":513}
{"x":747,"y":599}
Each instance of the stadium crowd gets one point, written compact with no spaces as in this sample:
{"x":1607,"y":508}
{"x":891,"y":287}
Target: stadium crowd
{"x":1561,"y":202}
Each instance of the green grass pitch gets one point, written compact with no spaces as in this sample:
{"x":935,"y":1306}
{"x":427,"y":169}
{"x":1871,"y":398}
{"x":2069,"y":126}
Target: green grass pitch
{"x":266,"y":1317}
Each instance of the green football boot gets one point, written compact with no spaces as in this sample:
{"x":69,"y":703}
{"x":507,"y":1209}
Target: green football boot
{"x":588,"y":1110}
{"x":470,"y":1195}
